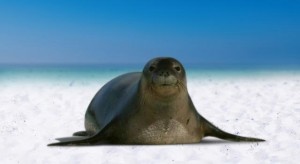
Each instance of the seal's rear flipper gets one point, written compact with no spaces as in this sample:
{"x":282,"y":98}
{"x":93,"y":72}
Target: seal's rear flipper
{"x":79,"y":140}
{"x":72,"y":141}
{"x":65,"y":139}
{"x":81,"y":133}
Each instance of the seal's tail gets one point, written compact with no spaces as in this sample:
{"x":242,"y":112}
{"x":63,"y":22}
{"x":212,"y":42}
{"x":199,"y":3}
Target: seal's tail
{"x":87,"y":140}
{"x":212,"y":130}
{"x":72,"y":141}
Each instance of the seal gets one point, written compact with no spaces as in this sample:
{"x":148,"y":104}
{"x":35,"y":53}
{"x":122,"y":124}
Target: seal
{"x":148,"y":107}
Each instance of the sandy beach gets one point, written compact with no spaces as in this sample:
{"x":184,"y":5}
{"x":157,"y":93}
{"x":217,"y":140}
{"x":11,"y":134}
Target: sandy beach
{"x":34,"y":111}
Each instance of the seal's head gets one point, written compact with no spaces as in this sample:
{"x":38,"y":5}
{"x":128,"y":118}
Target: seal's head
{"x":164,"y":77}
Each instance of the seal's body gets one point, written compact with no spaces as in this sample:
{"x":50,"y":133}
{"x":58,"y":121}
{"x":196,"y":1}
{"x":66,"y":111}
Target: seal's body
{"x":152,"y":107}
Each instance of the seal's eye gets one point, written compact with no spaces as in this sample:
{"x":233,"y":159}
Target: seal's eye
{"x":151,"y":68}
{"x":177,"y":68}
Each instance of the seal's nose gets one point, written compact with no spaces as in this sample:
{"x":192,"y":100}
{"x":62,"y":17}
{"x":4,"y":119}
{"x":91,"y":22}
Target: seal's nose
{"x":163,"y":73}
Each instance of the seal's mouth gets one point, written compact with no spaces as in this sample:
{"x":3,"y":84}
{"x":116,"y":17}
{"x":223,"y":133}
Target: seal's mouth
{"x":166,"y":90}
{"x":164,"y":86}
{"x":164,"y":82}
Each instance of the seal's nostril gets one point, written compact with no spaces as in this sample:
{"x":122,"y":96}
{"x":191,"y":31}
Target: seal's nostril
{"x":166,"y":74}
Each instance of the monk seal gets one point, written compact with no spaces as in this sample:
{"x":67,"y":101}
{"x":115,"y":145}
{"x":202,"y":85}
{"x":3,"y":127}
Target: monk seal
{"x":148,"y":107}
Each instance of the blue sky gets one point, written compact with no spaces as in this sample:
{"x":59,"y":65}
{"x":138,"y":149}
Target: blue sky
{"x":209,"y":32}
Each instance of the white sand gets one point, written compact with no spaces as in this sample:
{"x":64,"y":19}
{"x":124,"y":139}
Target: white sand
{"x":34,"y":112}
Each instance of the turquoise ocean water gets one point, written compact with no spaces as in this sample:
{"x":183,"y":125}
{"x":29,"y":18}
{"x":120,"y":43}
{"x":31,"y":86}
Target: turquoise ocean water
{"x":106,"y":71}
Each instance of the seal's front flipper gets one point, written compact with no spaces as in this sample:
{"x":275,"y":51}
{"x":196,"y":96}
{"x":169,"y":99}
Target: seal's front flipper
{"x":211,"y":130}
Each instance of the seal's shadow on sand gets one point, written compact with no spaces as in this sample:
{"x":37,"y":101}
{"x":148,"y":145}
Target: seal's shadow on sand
{"x":205,"y":141}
